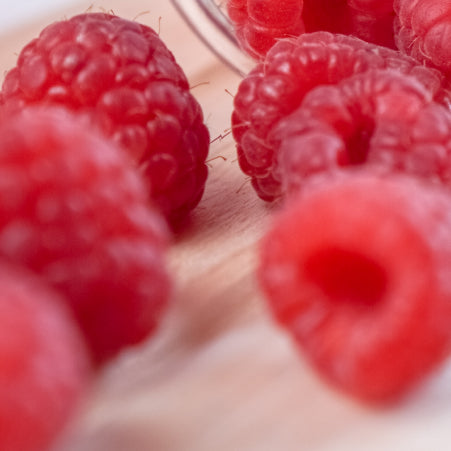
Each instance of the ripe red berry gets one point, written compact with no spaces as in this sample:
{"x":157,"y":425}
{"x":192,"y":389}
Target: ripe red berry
{"x":120,"y":74}
{"x":293,"y":68}
{"x":260,"y":24}
{"x":377,"y":119}
{"x":423,"y":30}
{"x":43,"y":363}
{"x":356,"y":270}
{"x":373,"y":28}
{"x":74,"y":210}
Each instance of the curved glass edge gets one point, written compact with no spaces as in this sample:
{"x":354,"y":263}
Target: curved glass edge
{"x":213,"y":27}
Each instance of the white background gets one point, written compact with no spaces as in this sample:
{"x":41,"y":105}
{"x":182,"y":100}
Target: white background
{"x":13,"y":13}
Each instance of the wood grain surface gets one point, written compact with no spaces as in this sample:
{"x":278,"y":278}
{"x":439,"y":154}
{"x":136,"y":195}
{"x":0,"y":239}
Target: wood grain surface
{"x":219,"y":375}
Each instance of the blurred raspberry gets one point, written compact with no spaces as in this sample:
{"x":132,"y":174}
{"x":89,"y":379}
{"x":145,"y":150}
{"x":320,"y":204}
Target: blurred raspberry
{"x":356,"y":269}
{"x":43,"y":363}
{"x":74,"y":210}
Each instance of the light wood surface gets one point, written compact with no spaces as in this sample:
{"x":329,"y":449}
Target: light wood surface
{"x":219,"y":375}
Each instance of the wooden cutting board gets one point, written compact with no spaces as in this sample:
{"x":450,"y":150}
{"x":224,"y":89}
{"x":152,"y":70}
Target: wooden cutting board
{"x":219,"y":375}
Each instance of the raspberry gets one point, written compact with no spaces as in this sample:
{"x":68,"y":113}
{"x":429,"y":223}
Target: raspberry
{"x":121,"y":75}
{"x":423,"y":30}
{"x":43,"y":363}
{"x":379,"y":30}
{"x":260,"y":24}
{"x":276,"y":87}
{"x":382,"y":120}
{"x":74,"y":210}
{"x":326,"y":15}
{"x":357,"y":271}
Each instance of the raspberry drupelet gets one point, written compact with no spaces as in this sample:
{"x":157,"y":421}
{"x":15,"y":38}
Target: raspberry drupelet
{"x":120,"y":74}
{"x":357,"y":271}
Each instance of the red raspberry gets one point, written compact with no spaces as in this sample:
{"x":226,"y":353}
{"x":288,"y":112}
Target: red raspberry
{"x":276,"y":87}
{"x":43,"y":363}
{"x":379,"y":30}
{"x":260,"y":24}
{"x":423,"y":30}
{"x":382,"y":120}
{"x":121,"y":75}
{"x":357,"y":270}
{"x":74,"y":210}
{"x":326,"y":15}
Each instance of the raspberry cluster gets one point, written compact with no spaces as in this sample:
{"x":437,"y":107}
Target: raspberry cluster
{"x":259,"y":24}
{"x":354,"y":137}
{"x":75,"y":212}
{"x":95,"y":116}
